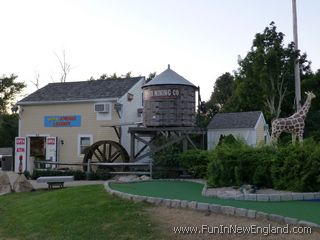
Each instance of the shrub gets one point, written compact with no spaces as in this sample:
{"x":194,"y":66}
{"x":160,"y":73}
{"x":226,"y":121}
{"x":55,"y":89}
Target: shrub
{"x":166,"y":161}
{"x":78,"y":175}
{"x":103,"y":173}
{"x":286,"y":167}
{"x":195,"y":162}
{"x":297,"y":167}
{"x":230,"y":165}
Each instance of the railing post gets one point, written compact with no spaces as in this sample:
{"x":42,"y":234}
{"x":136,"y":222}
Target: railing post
{"x":88,"y":168}
{"x":150,"y":168}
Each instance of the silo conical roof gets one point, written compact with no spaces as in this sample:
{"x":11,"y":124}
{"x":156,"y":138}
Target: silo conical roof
{"x":169,"y":77}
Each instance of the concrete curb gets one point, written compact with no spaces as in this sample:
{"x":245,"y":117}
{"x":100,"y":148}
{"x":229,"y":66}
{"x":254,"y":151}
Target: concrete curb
{"x":264,"y":197}
{"x":211,"y":208}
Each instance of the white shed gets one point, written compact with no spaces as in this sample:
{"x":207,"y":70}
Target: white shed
{"x":249,"y":126}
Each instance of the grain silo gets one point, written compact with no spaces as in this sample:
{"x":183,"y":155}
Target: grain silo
{"x":169,"y":100}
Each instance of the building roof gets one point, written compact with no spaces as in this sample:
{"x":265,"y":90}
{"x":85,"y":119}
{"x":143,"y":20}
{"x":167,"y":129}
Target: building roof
{"x":81,"y":91}
{"x":169,"y":77}
{"x":234,"y":120}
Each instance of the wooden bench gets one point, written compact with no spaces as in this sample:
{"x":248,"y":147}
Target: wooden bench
{"x":55,"y":180}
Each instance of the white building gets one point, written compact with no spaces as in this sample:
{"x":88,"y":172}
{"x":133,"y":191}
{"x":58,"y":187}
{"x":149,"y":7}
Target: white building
{"x":58,"y":121}
{"x":248,"y":126}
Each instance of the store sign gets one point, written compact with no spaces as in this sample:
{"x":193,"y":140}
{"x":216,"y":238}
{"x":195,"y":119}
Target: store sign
{"x":62,"y":121}
{"x":162,"y":93}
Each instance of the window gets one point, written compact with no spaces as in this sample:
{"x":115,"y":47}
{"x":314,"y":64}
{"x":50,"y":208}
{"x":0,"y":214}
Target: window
{"x":84,"y":141}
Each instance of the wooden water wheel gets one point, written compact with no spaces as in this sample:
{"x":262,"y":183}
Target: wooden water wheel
{"x":106,"y":151}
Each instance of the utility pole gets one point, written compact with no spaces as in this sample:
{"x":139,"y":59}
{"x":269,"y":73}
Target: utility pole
{"x":296,"y":66}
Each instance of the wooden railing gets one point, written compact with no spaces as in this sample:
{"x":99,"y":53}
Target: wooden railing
{"x":89,"y":165}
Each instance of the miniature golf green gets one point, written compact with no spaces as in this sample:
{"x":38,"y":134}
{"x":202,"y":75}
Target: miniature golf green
{"x":191,"y":191}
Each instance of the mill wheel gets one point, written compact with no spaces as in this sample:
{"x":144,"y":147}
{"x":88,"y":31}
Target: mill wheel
{"x":106,"y":151}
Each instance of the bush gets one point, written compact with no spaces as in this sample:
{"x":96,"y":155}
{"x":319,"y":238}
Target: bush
{"x":297,"y":167}
{"x":78,"y":175}
{"x":231,"y":164}
{"x":103,"y":173}
{"x":195,"y":162}
{"x":166,"y":161}
{"x":286,"y":167}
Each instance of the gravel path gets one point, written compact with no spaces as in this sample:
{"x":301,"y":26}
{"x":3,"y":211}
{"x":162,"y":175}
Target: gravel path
{"x":168,"y":218}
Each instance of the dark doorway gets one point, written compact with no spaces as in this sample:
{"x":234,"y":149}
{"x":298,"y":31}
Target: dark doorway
{"x":37,"y":148}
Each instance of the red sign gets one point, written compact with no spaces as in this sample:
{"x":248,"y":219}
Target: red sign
{"x":20,"y":141}
{"x":20,"y":149}
{"x":51,"y":141}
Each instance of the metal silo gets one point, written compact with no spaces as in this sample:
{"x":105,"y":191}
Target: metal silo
{"x":169,"y":100}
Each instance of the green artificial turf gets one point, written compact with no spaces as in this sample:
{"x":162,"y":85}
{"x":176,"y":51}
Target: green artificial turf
{"x":183,"y":190}
{"x":74,"y":213}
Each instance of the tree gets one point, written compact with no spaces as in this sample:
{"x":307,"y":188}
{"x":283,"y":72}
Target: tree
{"x":265,"y":78}
{"x":8,"y":129}
{"x":311,"y":82}
{"x":9,"y":89}
{"x":222,"y":90}
{"x":115,"y":76}
{"x":65,"y":66}
{"x":151,"y":76}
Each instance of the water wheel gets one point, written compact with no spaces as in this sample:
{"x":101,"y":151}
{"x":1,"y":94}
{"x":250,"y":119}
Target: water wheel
{"x":106,"y":151}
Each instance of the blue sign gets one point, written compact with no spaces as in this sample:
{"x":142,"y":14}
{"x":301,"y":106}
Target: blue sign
{"x":62,"y":121}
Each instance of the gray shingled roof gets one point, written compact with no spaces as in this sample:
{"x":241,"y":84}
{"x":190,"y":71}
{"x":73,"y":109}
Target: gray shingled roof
{"x":234,"y":120}
{"x":169,"y":77}
{"x":77,"y":91}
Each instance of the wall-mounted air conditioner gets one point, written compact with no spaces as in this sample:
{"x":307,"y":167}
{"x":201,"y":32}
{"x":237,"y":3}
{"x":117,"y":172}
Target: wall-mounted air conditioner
{"x":102,"y":107}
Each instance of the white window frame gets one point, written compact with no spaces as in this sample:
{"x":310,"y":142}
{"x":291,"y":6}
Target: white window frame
{"x":78,"y":142}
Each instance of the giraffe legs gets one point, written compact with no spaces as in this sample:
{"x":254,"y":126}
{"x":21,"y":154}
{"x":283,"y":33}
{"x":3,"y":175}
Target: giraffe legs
{"x":300,"y":136}
{"x":274,"y":137}
{"x":294,"y":137}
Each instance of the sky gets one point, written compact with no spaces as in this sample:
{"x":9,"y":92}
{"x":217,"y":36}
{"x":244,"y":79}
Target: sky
{"x":200,"y":39}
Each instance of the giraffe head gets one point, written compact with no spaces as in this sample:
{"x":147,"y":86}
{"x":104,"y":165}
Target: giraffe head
{"x":310,"y":95}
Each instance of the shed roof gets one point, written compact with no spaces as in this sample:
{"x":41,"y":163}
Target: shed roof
{"x":169,"y":77}
{"x":80,"y":91}
{"x":234,"y":120}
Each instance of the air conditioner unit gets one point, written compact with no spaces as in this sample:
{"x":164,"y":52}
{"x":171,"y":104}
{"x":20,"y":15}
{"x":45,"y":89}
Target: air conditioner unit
{"x":139,"y":112}
{"x":102,"y":107}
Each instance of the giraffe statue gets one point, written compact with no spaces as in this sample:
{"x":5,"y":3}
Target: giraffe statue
{"x":293,"y":124}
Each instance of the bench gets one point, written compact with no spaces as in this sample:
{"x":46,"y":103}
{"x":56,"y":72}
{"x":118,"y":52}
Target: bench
{"x":55,"y":180}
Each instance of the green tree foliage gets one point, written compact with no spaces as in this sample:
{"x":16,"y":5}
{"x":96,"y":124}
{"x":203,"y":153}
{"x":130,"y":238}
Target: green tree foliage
{"x":286,"y":167}
{"x":264,"y":80}
{"x":151,"y":76}
{"x":8,"y":129}
{"x":9,"y":89}
{"x":222,"y":91}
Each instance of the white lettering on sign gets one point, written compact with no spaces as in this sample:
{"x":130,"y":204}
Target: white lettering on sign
{"x":164,"y":93}
{"x":51,"y":141}
{"x":20,"y":141}
{"x":20,"y":149}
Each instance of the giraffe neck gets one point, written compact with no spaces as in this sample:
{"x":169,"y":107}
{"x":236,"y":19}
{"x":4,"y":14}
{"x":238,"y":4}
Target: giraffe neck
{"x":305,"y":108}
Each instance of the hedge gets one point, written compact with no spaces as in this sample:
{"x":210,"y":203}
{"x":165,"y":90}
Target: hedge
{"x":290,"y":167}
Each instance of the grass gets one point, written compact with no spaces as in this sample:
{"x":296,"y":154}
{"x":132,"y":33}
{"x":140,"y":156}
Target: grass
{"x":309,"y":211}
{"x":74,"y":213}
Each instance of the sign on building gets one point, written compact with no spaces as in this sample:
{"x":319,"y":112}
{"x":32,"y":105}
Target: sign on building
{"x":20,"y":154}
{"x":62,"y":121}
